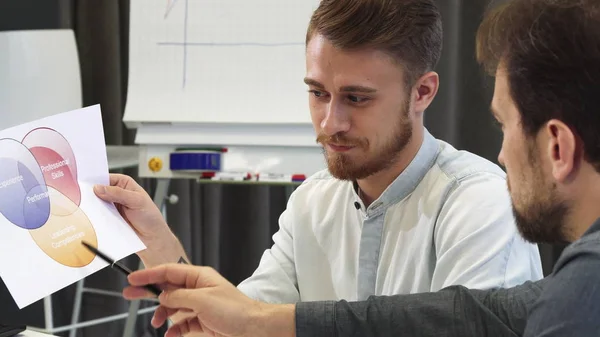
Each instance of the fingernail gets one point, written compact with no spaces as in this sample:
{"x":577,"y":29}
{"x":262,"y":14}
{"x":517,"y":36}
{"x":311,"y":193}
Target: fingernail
{"x":100,"y":189}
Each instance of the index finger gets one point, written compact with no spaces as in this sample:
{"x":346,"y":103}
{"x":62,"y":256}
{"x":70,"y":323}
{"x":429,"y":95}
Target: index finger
{"x":175,"y":274}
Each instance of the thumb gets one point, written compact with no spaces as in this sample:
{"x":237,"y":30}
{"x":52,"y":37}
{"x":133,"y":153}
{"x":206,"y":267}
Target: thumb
{"x":118,"y":195}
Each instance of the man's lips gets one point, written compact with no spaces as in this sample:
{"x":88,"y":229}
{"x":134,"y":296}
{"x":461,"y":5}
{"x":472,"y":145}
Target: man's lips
{"x":339,"y":148}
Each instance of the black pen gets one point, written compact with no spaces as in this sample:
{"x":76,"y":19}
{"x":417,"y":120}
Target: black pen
{"x":116,"y":265}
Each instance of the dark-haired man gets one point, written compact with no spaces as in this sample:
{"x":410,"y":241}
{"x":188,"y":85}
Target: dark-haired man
{"x":545,"y":55}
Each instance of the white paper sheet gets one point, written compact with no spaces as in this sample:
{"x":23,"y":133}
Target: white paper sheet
{"x":48,"y":169}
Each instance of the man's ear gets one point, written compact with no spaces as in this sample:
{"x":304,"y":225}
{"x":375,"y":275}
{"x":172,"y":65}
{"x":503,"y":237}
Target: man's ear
{"x":426,"y":87}
{"x":562,"y":149}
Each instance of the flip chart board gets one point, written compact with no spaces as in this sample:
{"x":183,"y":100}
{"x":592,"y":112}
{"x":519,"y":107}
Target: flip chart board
{"x":218,"y":61}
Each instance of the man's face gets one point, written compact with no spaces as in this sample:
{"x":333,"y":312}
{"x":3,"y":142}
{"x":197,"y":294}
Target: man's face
{"x":359,"y":107}
{"x":537,"y":205}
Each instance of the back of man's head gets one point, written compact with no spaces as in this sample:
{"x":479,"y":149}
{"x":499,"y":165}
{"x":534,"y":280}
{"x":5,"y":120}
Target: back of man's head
{"x":550,"y":51}
{"x":410,"y":31}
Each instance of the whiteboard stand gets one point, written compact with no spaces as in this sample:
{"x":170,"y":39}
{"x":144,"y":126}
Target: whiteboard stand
{"x":204,"y":74}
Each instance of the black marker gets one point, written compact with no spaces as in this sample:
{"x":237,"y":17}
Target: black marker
{"x":119,"y":267}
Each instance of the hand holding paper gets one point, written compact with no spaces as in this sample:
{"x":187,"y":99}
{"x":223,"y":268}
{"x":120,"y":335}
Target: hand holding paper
{"x":138,"y":209}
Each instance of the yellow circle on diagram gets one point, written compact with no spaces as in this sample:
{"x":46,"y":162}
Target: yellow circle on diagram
{"x":61,"y":236}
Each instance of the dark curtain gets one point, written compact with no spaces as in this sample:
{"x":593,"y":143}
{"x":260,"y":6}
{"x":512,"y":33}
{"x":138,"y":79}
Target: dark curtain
{"x":228,"y":226}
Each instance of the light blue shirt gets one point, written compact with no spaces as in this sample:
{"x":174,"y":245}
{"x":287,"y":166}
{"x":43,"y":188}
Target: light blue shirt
{"x":446,"y":220}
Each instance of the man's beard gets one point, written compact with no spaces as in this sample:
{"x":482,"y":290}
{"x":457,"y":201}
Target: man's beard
{"x":344,"y":167}
{"x":542,"y":218}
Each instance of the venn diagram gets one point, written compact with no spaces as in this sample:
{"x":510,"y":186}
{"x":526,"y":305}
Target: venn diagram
{"x":39,"y":192}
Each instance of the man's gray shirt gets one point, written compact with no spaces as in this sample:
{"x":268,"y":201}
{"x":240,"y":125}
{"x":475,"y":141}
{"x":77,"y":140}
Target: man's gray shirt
{"x":566,"y":303}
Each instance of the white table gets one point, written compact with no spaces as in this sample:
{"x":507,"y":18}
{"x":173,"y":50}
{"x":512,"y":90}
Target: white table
{"x":32,"y":333}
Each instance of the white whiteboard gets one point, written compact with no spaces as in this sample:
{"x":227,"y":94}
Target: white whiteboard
{"x":218,"y":61}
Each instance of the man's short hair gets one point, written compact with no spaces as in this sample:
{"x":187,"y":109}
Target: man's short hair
{"x":550,"y":51}
{"x":410,"y":31}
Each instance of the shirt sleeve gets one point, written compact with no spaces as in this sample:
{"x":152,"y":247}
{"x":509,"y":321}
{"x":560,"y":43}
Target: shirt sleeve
{"x":275,"y":281}
{"x":569,"y":305}
{"x":451,"y":312}
{"x":477,"y":243}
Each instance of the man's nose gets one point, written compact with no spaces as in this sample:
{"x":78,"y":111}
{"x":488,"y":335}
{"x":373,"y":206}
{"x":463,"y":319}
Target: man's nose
{"x":501,"y":158}
{"x":337,"y":119}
